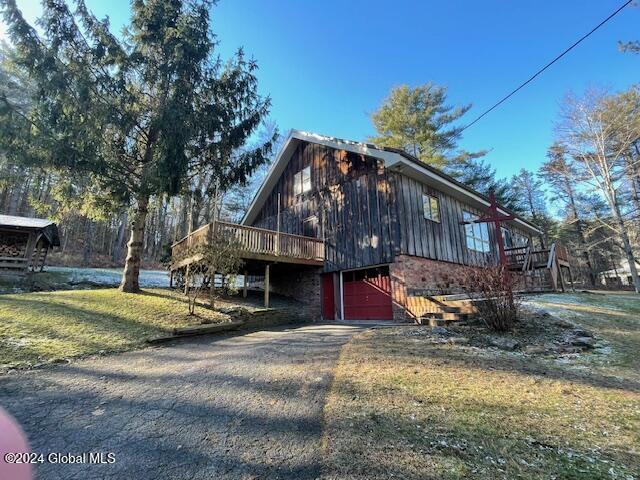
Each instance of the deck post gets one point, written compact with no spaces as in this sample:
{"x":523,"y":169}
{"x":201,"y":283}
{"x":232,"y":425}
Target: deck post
{"x":244,"y":284}
{"x":266,"y":286}
{"x":44,"y":258}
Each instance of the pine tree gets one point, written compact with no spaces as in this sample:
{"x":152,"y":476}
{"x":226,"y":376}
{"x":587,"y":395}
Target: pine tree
{"x":136,"y":116}
{"x":561,"y":175}
{"x":478,"y":174}
{"x":529,"y":197}
{"x":418,"y":121}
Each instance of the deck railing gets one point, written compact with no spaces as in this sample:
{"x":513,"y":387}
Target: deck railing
{"x":526,"y":258}
{"x":255,"y":241}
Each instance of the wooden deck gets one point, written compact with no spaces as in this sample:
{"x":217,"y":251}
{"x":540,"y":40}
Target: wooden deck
{"x":256,"y":244}
{"x":540,"y":268}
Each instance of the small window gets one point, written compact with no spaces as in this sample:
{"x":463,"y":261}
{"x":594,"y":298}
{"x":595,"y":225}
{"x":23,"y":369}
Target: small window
{"x":477,"y":234}
{"x":431,"y":208}
{"x":519,"y":240}
{"x":310,"y":227}
{"x":302,"y":181}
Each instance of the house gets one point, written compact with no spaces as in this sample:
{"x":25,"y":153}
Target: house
{"x":618,"y":276}
{"x":358,"y":232}
{"x":25,"y":243}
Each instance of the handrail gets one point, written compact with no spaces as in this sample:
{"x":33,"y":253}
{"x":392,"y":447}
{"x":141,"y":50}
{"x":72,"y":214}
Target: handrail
{"x":206,"y":225}
{"x":259,"y":241}
{"x":552,"y":254}
{"x":527,"y":259}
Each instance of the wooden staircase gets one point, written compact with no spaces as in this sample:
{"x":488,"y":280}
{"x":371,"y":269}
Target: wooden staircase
{"x":539,"y":269}
{"x":442,"y":310}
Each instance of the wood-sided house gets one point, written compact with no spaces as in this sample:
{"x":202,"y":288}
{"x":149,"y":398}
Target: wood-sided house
{"x":391,"y":229}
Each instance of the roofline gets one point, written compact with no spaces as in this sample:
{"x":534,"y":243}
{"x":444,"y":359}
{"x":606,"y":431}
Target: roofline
{"x":282,"y":158}
{"x":443,"y":177}
{"x":394,"y":159}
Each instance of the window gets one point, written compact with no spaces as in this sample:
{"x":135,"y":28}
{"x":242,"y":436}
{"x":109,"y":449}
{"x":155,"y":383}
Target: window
{"x":302,"y":181}
{"x":519,"y":240}
{"x":507,"y":237}
{"x":310,"y":226}
{"x":431,"y":208}
{"x":477,"y":234}
{"x":513,"y":239}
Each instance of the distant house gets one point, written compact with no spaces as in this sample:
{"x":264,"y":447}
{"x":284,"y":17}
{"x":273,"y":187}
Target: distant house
{"x":25,"y":243}
{"x":619,"y":276}
{"x":358,"y":232}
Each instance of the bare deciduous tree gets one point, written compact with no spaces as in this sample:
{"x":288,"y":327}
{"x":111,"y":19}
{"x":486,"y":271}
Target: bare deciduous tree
{"x":598,"y":130}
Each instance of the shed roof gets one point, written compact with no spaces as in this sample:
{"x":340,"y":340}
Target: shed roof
{"x":49,"y":228}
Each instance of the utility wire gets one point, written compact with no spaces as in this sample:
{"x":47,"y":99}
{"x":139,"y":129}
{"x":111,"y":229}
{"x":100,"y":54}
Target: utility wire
{"x":546,"y":66}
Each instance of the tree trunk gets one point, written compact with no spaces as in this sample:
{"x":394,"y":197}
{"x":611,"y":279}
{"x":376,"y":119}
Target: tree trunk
{"x":581,"y":234}
{"x":131,"y":272}
{"x":627,"y":248}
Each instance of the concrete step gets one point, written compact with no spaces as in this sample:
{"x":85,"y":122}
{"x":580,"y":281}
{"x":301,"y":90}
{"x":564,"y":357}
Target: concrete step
{"x":207,"y":328}
{"x":447,"y":316}
{"x":439,"y":322}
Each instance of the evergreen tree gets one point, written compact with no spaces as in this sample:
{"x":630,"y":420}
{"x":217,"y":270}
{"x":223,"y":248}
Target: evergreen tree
{"x":136,"y":116}
{"x":478,"y":174}
{"x":418,"y":121}
{"x":529,"y":197}
{"x":562,"y":176}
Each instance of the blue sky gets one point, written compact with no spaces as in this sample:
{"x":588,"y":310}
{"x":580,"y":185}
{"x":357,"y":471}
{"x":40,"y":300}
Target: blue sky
{"x":328,"y":64}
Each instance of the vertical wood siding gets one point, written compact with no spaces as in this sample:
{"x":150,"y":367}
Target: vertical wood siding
{"x":367,"y":215}
{"x":350,"y":197}
{"x":445,"y":240}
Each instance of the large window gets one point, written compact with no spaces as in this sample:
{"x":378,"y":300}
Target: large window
{"x":302,"y":181}
{"x":431,"y":208}
{"x":513,"y":239}
{"x":477,"y":234}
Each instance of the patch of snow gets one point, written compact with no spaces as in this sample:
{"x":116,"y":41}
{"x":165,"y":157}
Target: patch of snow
{"x":111,"y":276}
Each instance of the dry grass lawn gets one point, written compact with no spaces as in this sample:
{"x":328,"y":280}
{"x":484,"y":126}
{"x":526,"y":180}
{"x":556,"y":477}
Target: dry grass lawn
{"x":48,"y":326}
{"x":404,"y":407}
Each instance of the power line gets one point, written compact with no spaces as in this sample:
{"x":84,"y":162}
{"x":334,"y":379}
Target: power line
{"x":547,"y":66}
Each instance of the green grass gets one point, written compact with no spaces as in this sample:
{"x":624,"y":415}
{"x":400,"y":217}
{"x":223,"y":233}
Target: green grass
{"x":404,"y":407}
{"x":48,"y":326}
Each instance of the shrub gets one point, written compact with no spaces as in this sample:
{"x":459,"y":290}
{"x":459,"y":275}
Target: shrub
{"x":220,"y":255}
{"x":491,"y":289}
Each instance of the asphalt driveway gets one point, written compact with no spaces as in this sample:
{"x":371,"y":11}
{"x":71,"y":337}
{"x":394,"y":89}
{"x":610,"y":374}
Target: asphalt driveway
{"x":238,"y":407}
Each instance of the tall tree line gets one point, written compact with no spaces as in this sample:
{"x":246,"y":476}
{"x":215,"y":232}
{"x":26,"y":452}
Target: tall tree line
{"x":131,"y":121}
{"x":585,"y":195}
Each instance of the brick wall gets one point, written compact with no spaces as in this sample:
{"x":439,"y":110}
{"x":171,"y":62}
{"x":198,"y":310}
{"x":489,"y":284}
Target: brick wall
{"x":414,"y":277}
{"x":299,"y":283}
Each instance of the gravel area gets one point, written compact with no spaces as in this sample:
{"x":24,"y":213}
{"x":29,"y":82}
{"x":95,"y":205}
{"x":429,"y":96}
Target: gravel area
{"x":238,"y":407}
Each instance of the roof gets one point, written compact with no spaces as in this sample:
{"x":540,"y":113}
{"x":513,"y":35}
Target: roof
{"x":49,"y":228}
{"x":393,"y":159}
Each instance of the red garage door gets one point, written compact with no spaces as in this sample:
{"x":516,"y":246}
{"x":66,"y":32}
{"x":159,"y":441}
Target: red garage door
{"x":367,"y":294}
